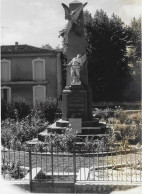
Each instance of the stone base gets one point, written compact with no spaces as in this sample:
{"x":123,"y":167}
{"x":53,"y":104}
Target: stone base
{"x":76,"y":83}
{"x":84,"y":129}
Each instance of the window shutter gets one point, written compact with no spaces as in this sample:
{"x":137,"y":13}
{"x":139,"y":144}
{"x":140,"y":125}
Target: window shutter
{"x":5,"y":71}
{"x":39,"y":71}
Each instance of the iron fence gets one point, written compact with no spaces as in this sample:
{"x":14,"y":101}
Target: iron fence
{"x":83,"y":164}
{"x":14,"y":163}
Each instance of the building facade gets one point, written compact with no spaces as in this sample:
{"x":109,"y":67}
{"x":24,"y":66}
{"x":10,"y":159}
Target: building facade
{"x":30,"y":73}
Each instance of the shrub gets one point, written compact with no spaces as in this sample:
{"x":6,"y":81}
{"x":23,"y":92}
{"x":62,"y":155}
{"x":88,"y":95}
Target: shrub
{"x":7,"y":110}
{"x":15,"y":133}
{"x":135,"y":118}
{"x":107,"y":113}
{"x":48,"y":110}
{"x":69,"y":142}
{"x":122,"y":117}
{"x":23,"y":123}
{"x":66,"y":140}
{"x":23,"y":108}
{"x":99,"y":144}
{"x":13,"y":170}
{"x":6,"y":132}
{"x":16,"y":172}
{"x":129,"y":128}
{"x":15,"y":110}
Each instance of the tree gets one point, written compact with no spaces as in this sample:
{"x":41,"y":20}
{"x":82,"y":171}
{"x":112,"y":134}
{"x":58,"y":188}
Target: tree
{"x":47,"y":46}
{"x":134,"y":51}
{"x":107,"y":39}
{"x":59,"y":48}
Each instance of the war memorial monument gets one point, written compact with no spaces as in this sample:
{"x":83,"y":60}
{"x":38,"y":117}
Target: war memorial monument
{"x":76,"y":96}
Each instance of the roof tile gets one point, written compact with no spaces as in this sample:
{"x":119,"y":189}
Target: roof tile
{"x":11,"y":49}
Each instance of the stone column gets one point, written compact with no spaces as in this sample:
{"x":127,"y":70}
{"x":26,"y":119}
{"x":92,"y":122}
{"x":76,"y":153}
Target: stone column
{"x":77,"y":99}
{"x":77,"y":44}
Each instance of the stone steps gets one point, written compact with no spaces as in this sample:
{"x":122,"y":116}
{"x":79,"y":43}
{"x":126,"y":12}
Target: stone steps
{"x":93,"y":131}
{"x":43,"y":135}
{"x":56,"y":129}
{"x":94,"y":123}
{"x":99,"y":125}
{"x":92,"y":135}
{"x":89,"y":128}
{"x":62,"y":123}
{"x":100,"y":128}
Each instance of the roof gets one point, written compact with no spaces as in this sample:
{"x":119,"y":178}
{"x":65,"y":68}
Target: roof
{"x":13,"y":49}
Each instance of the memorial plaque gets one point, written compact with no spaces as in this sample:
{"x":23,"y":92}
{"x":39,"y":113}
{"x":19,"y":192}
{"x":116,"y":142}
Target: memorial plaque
{"x":77,"y":105}
{"x":74,"y":104}
{"x":76,"y":124}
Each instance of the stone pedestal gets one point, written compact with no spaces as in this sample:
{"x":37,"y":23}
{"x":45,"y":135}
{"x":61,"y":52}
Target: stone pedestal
{"x":74,"y":102}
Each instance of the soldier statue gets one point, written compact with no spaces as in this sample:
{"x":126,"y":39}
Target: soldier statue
{"x":76,"y":66}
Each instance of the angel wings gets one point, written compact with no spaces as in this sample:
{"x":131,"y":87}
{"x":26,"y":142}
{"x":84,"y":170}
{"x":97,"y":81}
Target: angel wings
{"x":83,"y":58}
{"x":71,"y":16}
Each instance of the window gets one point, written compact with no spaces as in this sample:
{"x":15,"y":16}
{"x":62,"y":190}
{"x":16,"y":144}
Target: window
{"x":6,"y":93}
{"x":39,"y":93}
{"x":5,"y":70}
{"x":38,"y":66}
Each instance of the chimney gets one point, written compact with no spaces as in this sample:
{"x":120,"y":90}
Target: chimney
{"x":16,"y":45}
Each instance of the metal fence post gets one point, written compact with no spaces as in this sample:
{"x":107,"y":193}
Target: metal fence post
{"x":74,"y":163}
{"x":52,"y":162}
{"x":30,"y":166}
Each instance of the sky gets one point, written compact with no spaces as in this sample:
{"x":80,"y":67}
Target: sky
{"x":38,"y":22}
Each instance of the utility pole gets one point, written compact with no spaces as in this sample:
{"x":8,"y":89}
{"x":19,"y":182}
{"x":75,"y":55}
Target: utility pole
{"x":3,"y":27}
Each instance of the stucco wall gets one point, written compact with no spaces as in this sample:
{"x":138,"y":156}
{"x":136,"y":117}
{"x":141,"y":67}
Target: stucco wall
{"x":51,"y":75}
{"x":21,"y":70}
{"x":22,"y":91}
{"x":21,"y":67}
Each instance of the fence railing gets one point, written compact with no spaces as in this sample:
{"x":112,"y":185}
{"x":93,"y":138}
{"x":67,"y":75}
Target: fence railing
{"x":85,"y":164}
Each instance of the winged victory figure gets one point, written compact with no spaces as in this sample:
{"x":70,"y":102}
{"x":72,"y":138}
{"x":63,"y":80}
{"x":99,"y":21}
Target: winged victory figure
{"x":71,"y":16}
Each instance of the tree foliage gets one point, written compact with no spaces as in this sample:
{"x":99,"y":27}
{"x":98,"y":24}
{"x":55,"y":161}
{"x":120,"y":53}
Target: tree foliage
{"x":107,"y":40}
{"x":47,"y":46}
{"x":135,"y":47}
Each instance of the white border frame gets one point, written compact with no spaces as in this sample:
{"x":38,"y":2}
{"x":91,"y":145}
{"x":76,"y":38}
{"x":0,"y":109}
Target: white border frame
{"x":33,"y":68}
{"x":39,"y":86}
{"x":9,"y":63}
{"x":9,"y":92}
